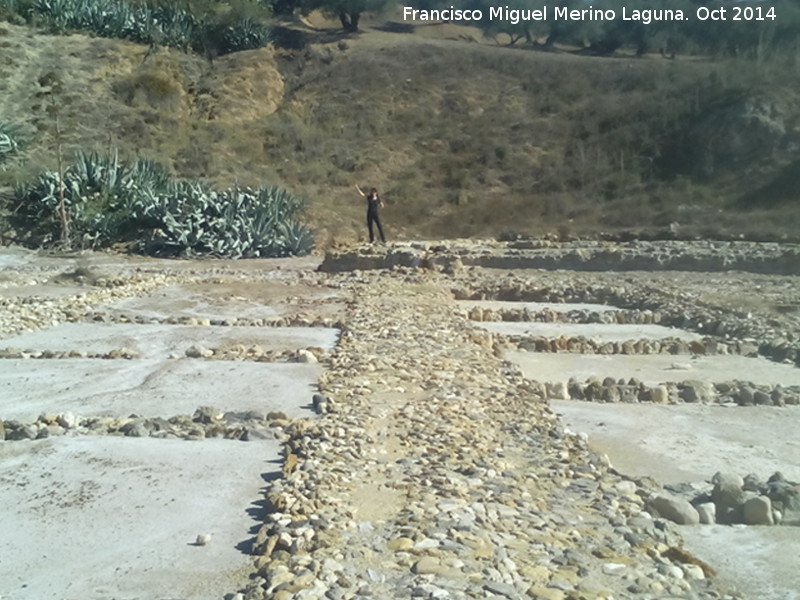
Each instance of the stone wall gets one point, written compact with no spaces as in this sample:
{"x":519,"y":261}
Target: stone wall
{"x":707,"y":256}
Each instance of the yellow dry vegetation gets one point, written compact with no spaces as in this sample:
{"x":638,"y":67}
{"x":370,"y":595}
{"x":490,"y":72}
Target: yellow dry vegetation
{"x":463,"y":137}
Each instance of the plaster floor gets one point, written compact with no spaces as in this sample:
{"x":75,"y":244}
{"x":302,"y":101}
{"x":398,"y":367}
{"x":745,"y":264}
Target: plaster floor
{"x":107,"y":517}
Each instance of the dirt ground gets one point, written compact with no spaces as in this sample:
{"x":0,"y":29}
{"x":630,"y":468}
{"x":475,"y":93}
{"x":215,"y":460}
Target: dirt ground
{"x":691,"y":442}
{"x":110,"y":516}
{"x":670,"y":443}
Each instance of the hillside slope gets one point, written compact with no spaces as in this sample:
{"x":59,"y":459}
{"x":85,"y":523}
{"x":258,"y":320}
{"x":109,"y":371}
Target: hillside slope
{"x":462,"y":138}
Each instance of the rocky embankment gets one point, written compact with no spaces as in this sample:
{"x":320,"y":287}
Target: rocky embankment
{"x":437,"y":471}
{"x":705,"y":256}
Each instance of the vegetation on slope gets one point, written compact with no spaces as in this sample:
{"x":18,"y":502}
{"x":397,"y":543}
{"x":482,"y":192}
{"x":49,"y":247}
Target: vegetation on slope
{"x":746,"y":28}
{"x":101,"y":200}
{"x":469,"y":140}
{"x":9,"y":142}
{"x":196,"y":26}
{"x":462,"y":138}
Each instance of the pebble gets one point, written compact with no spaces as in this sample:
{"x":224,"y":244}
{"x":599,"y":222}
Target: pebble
{"x":427,"y":565}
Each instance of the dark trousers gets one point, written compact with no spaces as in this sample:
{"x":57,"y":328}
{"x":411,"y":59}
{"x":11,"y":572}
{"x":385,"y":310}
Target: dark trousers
{"x":372,"y":217}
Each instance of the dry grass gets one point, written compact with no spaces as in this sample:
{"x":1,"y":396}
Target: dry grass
{"x":462,"y":138}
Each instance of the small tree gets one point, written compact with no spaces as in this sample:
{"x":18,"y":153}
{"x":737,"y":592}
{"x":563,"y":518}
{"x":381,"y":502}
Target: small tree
{"x":526,"y":30}
{"x":347,"y":11}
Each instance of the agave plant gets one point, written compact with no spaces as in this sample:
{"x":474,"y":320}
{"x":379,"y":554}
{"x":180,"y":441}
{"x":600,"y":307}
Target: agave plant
{"x":11,"y":6}
{"x":100,"y":192}
{"x":109,"y":200}
{"x":163,"y":23}
{"x":245,"y":34}
{"x":192,"y":219}
{"x":174,"y":26}
{"x":295,"y":239}
{"x":9,"y":141}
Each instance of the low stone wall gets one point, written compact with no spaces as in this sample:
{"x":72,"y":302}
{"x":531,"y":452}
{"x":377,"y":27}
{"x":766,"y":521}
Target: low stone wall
{"x":754,"y":257}
{"x":206,"y":422}
{"x":548,"y":315}
{"x":583,"y":345}
{"x":295,"y":320}
{"x":731,"y":499}
{"x":18,"y":314}
{"x":778,"y":348}
{"x":691,"y":390}
{"x":237,"y":352}
{"x":639,"y":305}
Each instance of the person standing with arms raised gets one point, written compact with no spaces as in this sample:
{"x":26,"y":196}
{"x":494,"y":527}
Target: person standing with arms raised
{"x":374,"y":202}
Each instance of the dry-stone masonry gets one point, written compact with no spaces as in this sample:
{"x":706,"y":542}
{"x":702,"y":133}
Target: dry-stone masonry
{"x":731,"y":499}
{"x":433,"y":468}
{"x":441,"y":473}
{"x":587,"y":255}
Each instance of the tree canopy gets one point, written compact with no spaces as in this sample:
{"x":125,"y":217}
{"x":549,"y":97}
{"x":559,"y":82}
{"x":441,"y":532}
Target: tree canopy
{"x":347,"y":11}
{"x":749,"y":28}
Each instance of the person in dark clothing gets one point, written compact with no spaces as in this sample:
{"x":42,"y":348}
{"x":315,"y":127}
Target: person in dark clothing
{"x":374,"y":202}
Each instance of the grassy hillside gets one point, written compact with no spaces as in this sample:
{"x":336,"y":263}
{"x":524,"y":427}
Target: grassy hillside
{"x":462,"y":138}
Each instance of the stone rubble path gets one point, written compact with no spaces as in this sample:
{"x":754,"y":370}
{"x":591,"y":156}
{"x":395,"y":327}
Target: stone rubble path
{"x":439,"y":472}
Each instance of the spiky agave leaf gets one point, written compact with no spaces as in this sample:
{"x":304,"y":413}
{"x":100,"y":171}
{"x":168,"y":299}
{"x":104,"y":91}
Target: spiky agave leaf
{"x":245,"y":34}
{"x":108,"y":198}
{"x":10,"y":141}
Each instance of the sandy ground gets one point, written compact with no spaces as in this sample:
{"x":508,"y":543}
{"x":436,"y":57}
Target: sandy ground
{"x":15,"y":256}
{"x":691,"y":442}
{"x":114,"y":517}
{"x":243,"y":300}
{"x":103,"y":517}
{"x":93,"y":387}
{"x":600,"y":332}
{"x":653,"y":369}
{"x":104,"y":262}
{"x":761,"y":562}
{"x":160,"y":341}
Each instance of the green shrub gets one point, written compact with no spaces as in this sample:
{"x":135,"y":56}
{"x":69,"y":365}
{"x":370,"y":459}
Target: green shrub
{"x":110,"y":201}
{"x":190,"y":218}
{"x":245,"y":34}
{"x":160,"y":23}
{"x":100,"y":193}
{"x":156,"y":87}
{"x":10,"y":141}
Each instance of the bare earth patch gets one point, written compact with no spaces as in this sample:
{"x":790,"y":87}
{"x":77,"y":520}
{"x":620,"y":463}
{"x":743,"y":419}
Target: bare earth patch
{"x":684,"y":443}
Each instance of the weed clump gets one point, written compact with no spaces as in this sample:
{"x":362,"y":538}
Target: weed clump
{"x":154,"y":87}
